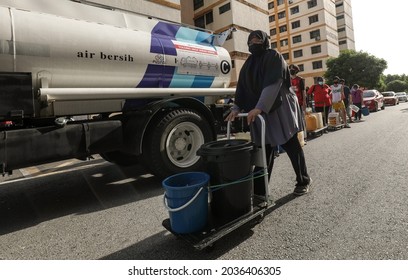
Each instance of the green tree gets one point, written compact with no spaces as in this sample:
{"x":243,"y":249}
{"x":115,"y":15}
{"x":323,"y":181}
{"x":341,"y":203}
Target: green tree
{"x":356,"y":68}
{"x":397,"y":86}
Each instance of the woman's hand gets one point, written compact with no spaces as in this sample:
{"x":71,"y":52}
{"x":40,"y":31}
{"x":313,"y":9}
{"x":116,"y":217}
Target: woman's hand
{"x":231,"y":116}
{"x":252,"y":115}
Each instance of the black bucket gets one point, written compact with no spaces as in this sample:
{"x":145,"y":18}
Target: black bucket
{"x":229,"y":161}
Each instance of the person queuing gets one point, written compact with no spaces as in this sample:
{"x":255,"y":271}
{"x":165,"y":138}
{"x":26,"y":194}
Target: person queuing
{"x":347,"y":99}
{"x":264,"y":81}
{"x":357,"y":97}
{"x":337,"y":95}
{"x":322,"y":100}
{"x":298,"y":86}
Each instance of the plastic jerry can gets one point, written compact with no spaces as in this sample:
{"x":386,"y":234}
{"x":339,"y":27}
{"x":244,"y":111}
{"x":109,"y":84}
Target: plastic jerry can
{"x":311,"y":122}
{"x":334,"y":118}
{"x":319,"y":117}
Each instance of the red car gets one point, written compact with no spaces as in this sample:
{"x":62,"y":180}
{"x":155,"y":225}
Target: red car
{"x":373,"y":100}
{"x":6,"y":123}
{"x":390,"y":98}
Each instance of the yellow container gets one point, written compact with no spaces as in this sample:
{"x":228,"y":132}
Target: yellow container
{"x":311,"y":122}
{"x":319,"y":117}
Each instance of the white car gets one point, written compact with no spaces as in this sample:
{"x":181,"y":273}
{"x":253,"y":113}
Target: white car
{"x":402,"y":96}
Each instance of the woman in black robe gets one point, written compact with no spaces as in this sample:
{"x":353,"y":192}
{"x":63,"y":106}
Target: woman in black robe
{"x":264,"y":88}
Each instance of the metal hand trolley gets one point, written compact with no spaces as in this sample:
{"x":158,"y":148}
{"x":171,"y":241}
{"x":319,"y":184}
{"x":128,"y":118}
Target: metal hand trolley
{"x":317,"y":132}
{"x":214,"y":230}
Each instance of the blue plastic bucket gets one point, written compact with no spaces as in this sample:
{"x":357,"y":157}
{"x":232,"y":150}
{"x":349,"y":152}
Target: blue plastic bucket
{"x":186,"y":199}
{"x":365,"y":111}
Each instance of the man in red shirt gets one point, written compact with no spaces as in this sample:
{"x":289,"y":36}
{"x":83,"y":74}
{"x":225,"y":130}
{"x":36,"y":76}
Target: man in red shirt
{"x":322,"y":98}
{"x":298,"y":85}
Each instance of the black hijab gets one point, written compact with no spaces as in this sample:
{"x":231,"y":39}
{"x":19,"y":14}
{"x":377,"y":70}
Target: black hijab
{"x":258,"y":72}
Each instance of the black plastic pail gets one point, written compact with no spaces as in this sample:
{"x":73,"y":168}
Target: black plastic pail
{"x":227,"y":162}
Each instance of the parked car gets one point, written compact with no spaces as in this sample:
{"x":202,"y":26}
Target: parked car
{"x":6,"y":124}
{"x":402,"y":96}
{"x":390,"y":98}
{"x":373,"y":100}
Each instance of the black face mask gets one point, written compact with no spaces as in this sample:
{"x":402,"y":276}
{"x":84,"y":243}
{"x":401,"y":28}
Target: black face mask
{"x":292,"y":72}
{"x":256,"y":49}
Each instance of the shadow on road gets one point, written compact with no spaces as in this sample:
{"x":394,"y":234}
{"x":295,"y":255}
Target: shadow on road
{"x":30,"y":201}
{"x":166,"y":246}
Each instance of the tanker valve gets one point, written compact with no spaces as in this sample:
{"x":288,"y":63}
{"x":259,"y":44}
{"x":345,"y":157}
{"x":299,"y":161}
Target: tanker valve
{"x":61,"y":122}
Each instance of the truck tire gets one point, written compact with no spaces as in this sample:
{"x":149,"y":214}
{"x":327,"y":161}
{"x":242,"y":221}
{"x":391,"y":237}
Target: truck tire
{"x":172,"y":141}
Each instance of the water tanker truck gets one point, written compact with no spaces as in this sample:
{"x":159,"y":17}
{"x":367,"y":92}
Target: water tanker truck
{"x":78,"y":80}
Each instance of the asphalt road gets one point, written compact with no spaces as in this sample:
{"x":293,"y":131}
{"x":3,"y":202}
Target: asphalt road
{"x":95,"y":210}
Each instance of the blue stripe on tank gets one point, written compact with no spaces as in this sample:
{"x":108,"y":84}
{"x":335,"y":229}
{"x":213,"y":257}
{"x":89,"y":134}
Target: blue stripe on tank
{"x":188,"y":34}
{"x":182,"y":81}
{"x":202,"y":82}
{"x":157,"y":76}
{"x":162,"y":36}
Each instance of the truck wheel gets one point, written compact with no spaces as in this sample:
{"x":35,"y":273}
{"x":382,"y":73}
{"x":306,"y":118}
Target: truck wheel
{"x":172,"y":141}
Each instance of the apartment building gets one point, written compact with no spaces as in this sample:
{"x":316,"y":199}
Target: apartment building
{"x":305,"y":32}
{"x":345,"y":25}
{"x":308,"y":32}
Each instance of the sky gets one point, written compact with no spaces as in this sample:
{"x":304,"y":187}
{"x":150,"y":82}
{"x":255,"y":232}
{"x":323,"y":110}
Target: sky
{"x":380,"y":29}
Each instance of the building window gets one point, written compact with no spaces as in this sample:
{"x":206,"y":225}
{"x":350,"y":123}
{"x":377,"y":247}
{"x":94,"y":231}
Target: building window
{"x":280,"y":2}
{"x":282,"y":15}
{"x":272,"y":18}
{"x":200,"y":22}
{"x":340,"y":17}
{"x":339,"y":4}
{"x":298,"y":53}
{"x":296,"y":24}
{"x":311,"y":3}
{"x":283,"y":28}
{"x":274,"y":45}
{"x":284,"y":42}
{"x":343,"y":42}
{"x":271,"y":5}
{"x":294,"y":10}
{"x":198,"y":4}
{"x":315,"y":34}
{"x":317,"y":64}
{"x":341,"y":29}
{"x":301,"y":67}
{"x":316,"y":49}
{"x":272,"y":32}
{"x":297,"y":39}
{"x":313,"y":19}
{"x":225,"y":8}
{"x":285,"y":56}
{"x":209,"y":18}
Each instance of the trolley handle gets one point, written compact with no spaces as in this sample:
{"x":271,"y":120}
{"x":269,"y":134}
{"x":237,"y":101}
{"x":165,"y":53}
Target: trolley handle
{"x":265,"y":165}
